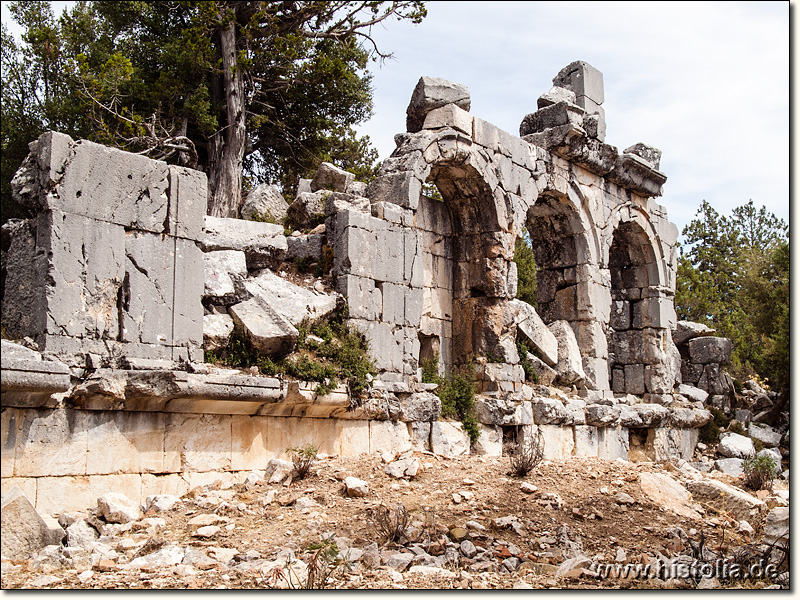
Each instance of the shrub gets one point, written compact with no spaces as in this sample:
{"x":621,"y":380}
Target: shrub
{"x":325,"y":563}
{"x":457,"y":393}
{"x":302,"y":459}
{"x":709,"y":433}
{"x":759,"y":472}
{"x":526,"y":454}
{"x":391,"y":524}
{"x":736,"y":427}
{"x":523,"y":348}
{"x":430,"y":369}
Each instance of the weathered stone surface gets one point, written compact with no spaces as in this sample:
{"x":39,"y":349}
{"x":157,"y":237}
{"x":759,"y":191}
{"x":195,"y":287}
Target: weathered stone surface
{"x":776,"y":527}
{"x":600,"y":415}
{"x":740,"y":504}
{"x":305,"y":246}
{"x":688,"y":330}
{"x":490,"y":440}
{"x":449,"y":439}
{"x":421,"y":406}
{"x":118,"y":508}
{"x":694,"y":394}
{"x":265,"y":203}
{"x":554,"y":95}
{"x":710,"y":350}
{"x":550,"y":411}
{"x":356,"y":488}
{"x":217,"y":330}
{"x":308,"y":208}
{"x":764,"y":434}
{"x":263,"y":243}
{"x":330,"y":177}
{"x":734,"y":445}
{"x":689,"y":417}
{"x":569,"y":366}
{"x":292,"y":302}
{"x":219,"y":267}
{"x":496,"y":411}
{"x":268,"y":331}
{"x":160,"y":502}
{"x":545,"y":375}
{"x":730,"y":466}
{"x":530,"y":323}
{"x":431,"y":93}
{"x":399,"y":469}
{"x":24,"y":530}
{"x":669,"y":494}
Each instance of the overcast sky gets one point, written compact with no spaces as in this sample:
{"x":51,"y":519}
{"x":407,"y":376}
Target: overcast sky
{"x":706,"y":82}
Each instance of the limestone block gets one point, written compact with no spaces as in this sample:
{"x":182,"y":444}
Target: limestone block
{"x":125,"y":442}
{"x":740,"y":504}
{"x":688,"y":330}
{"x":24,"y":530}
{"x":776,"y":527}
{"x":612,"y":443}
{"x":115,"y":507}
{"x":197,"y":443}
{"x":364,"y":299}
{"x":449,"y":115}
{"x":402,"y":188}
{"x":554,"y":95}
{"x":530,"y":323}
{"x":669,"y":494}
{"x":414,"y":302}
{"x":490,"y":440}
{"x":331,"y":177}
{"x":351,"y":437}
{"x":549,"y":411}
{"x":305,"y":246}
{"x":393,"y":303}
{"x":653,"y":312}
{"x":583,"y":79}
{"x":24,"y":294}
{"x":51,"y":442}
{"x":620,"y":314}
{"x":658,"y":379}
{"x":217,"y":330}
{"x":691,"y":418}
{"x":219,"y":266}
{"x":559,"y":442}
{"x":187,"y":308}
{"x":421,"y":436}
{"x":385,"y":348}
{"x":170,"y":485}
{"x":448,"y":438}
{"x":601,"y":415}
{"x":569,"y":366}
{"x":292,"y":302}
{"x":670,"y":443}
{"x":265,"y":202}
{"x":586,"y":440}
{"x":634,"y":379}
{"x":265,"y":329}
{"x":248,"y":442}
{"x":420,"y":406}
{"x":391,"y":436}
{"x":618,"y":381}
{"x":706,"y":350}
{"x":734,"y":445}
{"x":596,"y":370}
{"x":713,"y":380}
{"x":764,"y":434}
{"x":484,"y":133}
{"x":263,"y":244}
{"x":388,"y":262}
{"x":554,"y":115}
{"x":650,"y":154}
{"x":431,"y":93}
{"x":497,"y":411}
{"x":691,"y":373}
{"x":730,"y":466}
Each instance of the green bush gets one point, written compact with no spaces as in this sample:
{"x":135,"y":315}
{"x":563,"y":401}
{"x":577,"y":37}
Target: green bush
{"x":709,"y":433}
{"x":736,"y":427}
{"x":457,"y":393}
{"x":523,"y":348}
{"x":430,"y":369}
{"x":759,"y":472}
{"x":526,"y":270}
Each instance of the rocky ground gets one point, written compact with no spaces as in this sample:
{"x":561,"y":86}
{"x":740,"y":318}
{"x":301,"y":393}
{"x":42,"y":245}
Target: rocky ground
{"x":470,"y":525}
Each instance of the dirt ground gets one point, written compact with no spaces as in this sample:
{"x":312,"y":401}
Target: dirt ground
{"x":260,"y":519}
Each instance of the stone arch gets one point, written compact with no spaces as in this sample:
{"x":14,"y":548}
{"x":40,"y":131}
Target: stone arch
{"x":637,"y":328}
{"x":481,"y":252}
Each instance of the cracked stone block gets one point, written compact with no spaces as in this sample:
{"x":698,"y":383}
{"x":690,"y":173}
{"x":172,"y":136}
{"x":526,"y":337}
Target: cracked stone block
{"x":217,"y":330}
{"x":264,"y":244}
{"x":265,"y":202}
{"x":266,"y":330}
{"x":331,"y":177}
{"x":292,"y":302}
{"x":219,"y":266}
{"x":431,"y":93}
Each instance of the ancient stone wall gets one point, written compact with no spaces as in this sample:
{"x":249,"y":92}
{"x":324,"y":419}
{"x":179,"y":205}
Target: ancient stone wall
{"x":110,"y":266}
{"x":604,"y":248}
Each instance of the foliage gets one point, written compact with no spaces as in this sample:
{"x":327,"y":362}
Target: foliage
{"x":526,"y":270}
{"x":709,"y":433}
{"x":273,"y":88}
{"x":736,"y":427}
{"x":759,"y":472}
{"x":457,"y":394}
{"x":391,"y":523}
{"x":430,"y":369}
{"x":302,"y":459}
{"x":325,"y":563}
{"x":342,"y":355}
{"x":526,"y":453}
{"x":733,"y":275}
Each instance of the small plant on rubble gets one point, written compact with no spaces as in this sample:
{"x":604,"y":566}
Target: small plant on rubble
{"x":325,"y":563}
{"x":390,"y":523}
{"x":759,"y":472}
{"x":302,"y":459}
{"x":526,"y":453}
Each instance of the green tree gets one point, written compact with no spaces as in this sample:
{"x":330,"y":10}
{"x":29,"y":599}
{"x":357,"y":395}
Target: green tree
{"x":526,"y":270}
{"x":268,"y":88}
{"x":733,"y":275}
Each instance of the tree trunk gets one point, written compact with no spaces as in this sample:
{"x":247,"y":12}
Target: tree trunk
{"x":226,"y":147}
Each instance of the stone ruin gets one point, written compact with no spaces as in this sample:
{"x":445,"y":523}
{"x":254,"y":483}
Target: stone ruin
{"x":120,"y":282}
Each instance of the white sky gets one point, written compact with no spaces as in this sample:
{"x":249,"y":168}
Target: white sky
{"x":706,"y":82}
